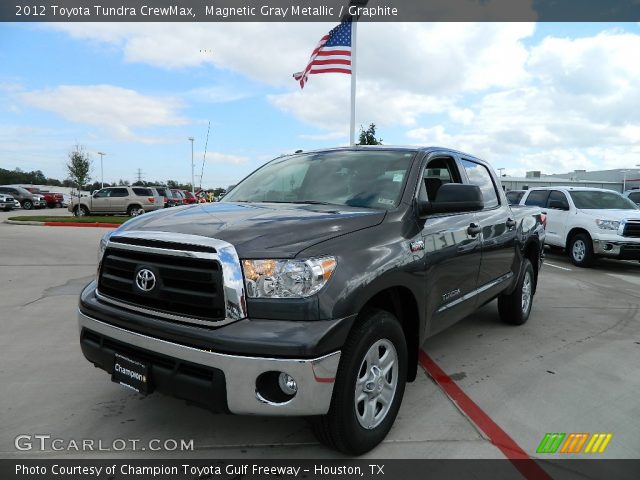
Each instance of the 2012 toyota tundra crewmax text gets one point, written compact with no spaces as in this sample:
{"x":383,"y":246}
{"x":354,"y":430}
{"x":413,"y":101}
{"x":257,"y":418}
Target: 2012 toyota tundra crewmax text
{"x":310,"y":289}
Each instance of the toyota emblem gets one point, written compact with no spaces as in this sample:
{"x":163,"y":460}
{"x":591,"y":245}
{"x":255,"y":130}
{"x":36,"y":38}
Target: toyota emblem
{"x":145,"y":280}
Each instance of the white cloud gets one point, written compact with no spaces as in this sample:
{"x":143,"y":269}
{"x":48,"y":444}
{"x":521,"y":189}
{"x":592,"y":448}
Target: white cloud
{"x":114,"y":109}
{"x":226,"y":158}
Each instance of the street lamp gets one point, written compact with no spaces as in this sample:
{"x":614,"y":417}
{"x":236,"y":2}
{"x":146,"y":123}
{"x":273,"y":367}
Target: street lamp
{"x":101,"y":170}
{"x":624,"y":180}
{"x":500,"y":170}
{"x":192,"y":167}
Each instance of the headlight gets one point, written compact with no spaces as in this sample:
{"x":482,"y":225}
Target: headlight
{"x":608,"y":224}
{"x":286,"y":278}
{"x":103,"y":246}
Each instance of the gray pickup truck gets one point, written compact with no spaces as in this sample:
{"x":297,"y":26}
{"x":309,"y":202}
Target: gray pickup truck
{"x":311,"y":287}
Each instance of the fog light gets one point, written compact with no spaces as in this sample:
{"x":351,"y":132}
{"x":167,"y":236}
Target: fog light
{"x":608,"y":247}
{"x":287,"y":384}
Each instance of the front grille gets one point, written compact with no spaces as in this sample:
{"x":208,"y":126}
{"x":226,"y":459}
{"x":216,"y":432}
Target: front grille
{"x":631,"y":229}
{"x":185,"y":286}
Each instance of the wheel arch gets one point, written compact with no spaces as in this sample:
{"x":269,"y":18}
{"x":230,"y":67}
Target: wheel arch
{"x":401,"y":302}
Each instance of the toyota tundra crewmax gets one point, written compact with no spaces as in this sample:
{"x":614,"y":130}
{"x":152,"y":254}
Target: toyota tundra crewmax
{"x":311,"y":287}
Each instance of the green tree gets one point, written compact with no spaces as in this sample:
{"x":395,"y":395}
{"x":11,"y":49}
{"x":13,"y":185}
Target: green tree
{"x":368,"y":136}
{"x":79,"y":167}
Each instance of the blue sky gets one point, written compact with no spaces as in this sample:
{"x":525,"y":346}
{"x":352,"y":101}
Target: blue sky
{"x":550,"y":97}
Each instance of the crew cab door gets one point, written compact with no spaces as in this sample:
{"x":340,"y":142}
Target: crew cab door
{"x":557,"y":211}
{"x":497,"y":225}
{"x":452,"y":252}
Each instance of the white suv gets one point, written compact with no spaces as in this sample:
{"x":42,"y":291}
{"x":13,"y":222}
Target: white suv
{"x":589,"y":222}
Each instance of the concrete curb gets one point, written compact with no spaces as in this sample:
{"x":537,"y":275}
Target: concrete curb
{"x":63,"y":224}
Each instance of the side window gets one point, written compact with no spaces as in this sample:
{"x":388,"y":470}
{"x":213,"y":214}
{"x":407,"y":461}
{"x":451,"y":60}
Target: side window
{"x":558,"y":200}
{"x":438,"y":172}
{"x":480,"y":176}
{"x":634,"y":197}
{"x":142,"y":192}
{"x":537,"y":198}
{"x":119,"y":192}
{"x":101,"y":193}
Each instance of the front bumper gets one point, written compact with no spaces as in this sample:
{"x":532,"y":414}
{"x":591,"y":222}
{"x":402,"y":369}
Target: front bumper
{"x":619,"y":248}
{"x":315,"y":377}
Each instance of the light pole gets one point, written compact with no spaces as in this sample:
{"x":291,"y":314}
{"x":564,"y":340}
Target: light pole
{"x":101,"y":170}
{"x":500,"y":170}
{"x":624,"y":180}
{"x":192,"y":167}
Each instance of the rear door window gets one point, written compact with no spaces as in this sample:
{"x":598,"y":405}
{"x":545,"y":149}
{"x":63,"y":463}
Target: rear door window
{"x":480,"y":176}
{"x":537,"y":198}
{"x":119,"y":192}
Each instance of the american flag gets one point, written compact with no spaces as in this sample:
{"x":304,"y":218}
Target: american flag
{"x":331,"y":55}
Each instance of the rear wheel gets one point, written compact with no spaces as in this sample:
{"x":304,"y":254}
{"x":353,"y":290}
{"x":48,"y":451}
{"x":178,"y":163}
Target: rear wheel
{"x":516,"y":307}
{"x":369,"y":386}
{"x":135,"y":210}
{"x":81,"y":211}
{"x":27,"y":204}
{"x":581,"y":250}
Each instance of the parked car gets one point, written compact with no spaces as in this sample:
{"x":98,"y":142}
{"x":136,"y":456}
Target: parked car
{"x":589,"y":222}
{"x":514,"y":196}
{"x":633,"y":195}
{"x":133,"y":201}
{"x":309,"y":290}
{"x":27,"y":199}
{"x":52,"y":199}
{"x":189,"y":198}
{"x":169,"y":199}
{"x":7,"y":202}
{"x":179,"y":196}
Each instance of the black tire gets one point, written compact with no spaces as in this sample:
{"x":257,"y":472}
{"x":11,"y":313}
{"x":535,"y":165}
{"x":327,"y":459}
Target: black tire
{"x":27,"y":204}
{"x":81,"y":211}
{"x":7,"y":209}
{"x":515,"y":308}
{"x":580,"y":250}
{"x":135,"y":210}
{"x":341,"y":428}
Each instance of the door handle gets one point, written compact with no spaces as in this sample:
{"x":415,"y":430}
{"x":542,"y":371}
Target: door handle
{"x":474,"y":229}
{"x":510,"y":223}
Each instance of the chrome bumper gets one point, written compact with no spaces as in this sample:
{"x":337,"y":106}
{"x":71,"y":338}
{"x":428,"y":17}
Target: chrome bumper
{"x":611,"y":248}
{"x":315,"y":377}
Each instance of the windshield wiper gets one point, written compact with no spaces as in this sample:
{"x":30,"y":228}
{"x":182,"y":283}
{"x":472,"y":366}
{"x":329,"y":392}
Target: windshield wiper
{"x":304,"y":202}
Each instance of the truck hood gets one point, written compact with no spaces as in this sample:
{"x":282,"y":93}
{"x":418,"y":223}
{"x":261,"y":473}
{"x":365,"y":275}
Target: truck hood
{"x":617,"y":215}
{"x":259,"y":230}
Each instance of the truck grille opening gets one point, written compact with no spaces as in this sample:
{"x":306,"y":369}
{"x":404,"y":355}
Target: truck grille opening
{"x":631,"y":229}
{"x":184,"y":286}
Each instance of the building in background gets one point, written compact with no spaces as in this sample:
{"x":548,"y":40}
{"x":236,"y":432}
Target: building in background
{"x":617,"y":179}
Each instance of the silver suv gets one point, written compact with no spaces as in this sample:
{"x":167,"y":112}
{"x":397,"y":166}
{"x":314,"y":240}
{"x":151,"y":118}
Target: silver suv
{"x":133,"y":201}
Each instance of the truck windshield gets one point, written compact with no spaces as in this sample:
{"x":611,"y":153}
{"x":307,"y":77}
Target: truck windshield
{"x":595,"y":200}
{"x":371,"y":179}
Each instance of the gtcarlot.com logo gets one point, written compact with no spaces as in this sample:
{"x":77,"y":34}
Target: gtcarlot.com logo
{"x":45,"y":442}
{"x":574,"y":443}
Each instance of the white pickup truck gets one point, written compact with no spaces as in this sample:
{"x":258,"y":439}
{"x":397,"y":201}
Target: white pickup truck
{"x":588,"y":222}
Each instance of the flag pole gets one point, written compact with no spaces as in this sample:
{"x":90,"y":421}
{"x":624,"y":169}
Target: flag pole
{"x":352,"y":130}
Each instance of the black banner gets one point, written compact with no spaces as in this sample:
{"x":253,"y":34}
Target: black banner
{"x":190,"y":469}
{"x":318,"y":10}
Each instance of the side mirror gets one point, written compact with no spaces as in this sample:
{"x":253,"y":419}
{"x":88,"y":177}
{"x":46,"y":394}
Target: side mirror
{"x":453,"y":198}
{"x":558,"y":205}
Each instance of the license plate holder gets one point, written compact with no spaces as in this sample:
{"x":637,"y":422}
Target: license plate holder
{"x":131,"y":373}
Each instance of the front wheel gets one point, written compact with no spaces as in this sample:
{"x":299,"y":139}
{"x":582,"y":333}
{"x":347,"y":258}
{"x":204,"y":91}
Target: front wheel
{"x":369,"y":386}
{"x":27,"y":204}
{"x":581,"y":250}
{"x":516,"y":307}
{"x":81,"y":211}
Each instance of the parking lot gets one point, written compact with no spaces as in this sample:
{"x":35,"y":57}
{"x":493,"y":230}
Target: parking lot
{"x":572,"y":368}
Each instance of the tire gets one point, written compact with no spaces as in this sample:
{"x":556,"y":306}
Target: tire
{"x":135,"y":210}
{"x":81,"y":211}
{"x":361,"y":386}
{"x":516,"y":307}
{"x":27,"y":205}
{"x":7,"y":209}
{"x":580,"y":250}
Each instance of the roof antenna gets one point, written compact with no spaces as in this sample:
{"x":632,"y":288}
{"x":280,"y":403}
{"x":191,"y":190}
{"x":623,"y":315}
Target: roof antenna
{"x":205,"y":154}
